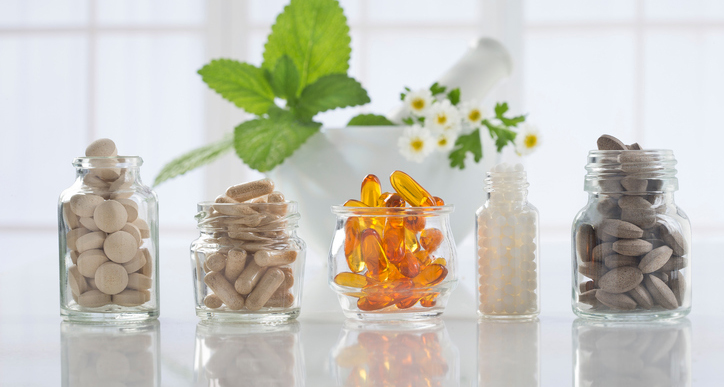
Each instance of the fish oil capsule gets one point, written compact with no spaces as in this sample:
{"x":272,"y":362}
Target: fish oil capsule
{"x":431,"y":275}
{"x":438,"y":201}
{"x":352,"y":245}
{"x":411,"y":241}
{"x":394,"y":240}
{"x":411,"y":190}
{"x":372,"y":252}
{"x":351,"y":280}
{"x":389,"y":199}
{"x":371,"y":191}
{"x":354,"y":203}
{"x":222,"y":288}
{"x":431,"y":239}
{"x":249,"y":278}
{"x":409,"y":266}
{"x":429,"y":300}
{"x":266,"y":287}
{"x":415,"y":223}
{"x":275,"y":257}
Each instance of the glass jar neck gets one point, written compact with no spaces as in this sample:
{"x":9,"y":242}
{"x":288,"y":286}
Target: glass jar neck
{"x":215,"y":218}
{"x":628,"y":171}
{"x":114,"y":173}
{"x":507,"y":187}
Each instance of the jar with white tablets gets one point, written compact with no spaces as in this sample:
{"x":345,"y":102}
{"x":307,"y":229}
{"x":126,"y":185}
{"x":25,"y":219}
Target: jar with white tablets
{"x":108,"y":240}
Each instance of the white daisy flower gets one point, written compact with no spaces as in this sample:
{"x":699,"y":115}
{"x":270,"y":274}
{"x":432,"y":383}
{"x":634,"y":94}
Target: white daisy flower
{"x":416,"y":143}
{"x":472,"y":113}
{"x":445,"y":141}
{"x":418,"y":102}
{"x":443,"y":117}
{"x":527,"y":140}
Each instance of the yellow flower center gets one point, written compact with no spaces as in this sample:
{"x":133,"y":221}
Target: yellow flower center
{"x":418,"y":103}
{"x":442,"y":141}
{"x":441,"y":119}
{"x":474,"y":115}
{"x":530,"y":140}
{"x":417,"y":145}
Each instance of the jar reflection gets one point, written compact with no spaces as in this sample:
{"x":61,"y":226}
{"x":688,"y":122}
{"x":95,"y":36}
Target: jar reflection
{"x":395,"y":354}
{"x":509,"y":353}
{"x":619,"y":354}
{"x":248,"y":355}
{"x":126,"y":355}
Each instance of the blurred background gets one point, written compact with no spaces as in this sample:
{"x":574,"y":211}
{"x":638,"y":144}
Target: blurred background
{"x":72,"y":71}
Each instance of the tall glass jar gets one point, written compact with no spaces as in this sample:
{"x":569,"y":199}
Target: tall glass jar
{"x":248,"y":262}
{"x":508,"y":247}
{"x":108,"y":234}
{"x":631,"y":243}
{"x":393,"y":263}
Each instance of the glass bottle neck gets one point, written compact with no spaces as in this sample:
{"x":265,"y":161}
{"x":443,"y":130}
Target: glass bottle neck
{"x":507,"y":187}
{"x":631,"y":171}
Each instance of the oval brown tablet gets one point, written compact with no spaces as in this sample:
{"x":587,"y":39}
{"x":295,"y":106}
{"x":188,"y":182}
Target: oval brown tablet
{"x":621,"y":279}
{"x":110,"y":216}
{"x":83,"y":205}
{"x":103,"y":147}
{"x":111,"y":278}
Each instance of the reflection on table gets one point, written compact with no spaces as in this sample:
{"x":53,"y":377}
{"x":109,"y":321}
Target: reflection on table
{"x":114,"y":356}
{"x":509,"y":353}
{"x":395,"y":354}
{"x":632,"y":354}
{"x":248,"y":355}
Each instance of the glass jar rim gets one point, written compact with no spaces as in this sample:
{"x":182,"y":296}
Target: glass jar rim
{"x":86,"y":162}
{"x":258,"y":205}
{"x":390,"y":212}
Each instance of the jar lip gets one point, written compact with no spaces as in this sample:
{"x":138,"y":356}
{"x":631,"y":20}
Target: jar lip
{"x":393,"y":211}
{"x":120,"y":162}
{"x":258,"y":205}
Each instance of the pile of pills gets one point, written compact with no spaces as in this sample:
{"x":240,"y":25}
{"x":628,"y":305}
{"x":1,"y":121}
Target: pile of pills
{"x":105,"y":236}
{"x":250,"y":266}
{"x":507,"y":250}
{"x":391,"y":257}
{"x":633,"y":249}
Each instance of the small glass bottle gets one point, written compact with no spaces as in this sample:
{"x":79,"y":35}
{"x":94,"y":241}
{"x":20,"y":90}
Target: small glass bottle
{"x":631,"y":254}
{"x":108,"y":235}
{"x":507,"y":242}
{"x":248,"y":262}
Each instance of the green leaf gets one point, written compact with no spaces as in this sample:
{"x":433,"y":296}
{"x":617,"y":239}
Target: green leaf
{"x":454,"y":96}
{"x":369,"y":120}
{"x":315,"y":35}
{"x":464,"y":144}
{"x":502,"y":136}
{"x":329,"y":92}
{"x":501,"y":109}
{"x":437,"y":89}
{"x":408,"y":121}
{"x":285,"y":79}
{"x":264,"y":143}
{"x":195,"y":159}
{"x":241,"y":83}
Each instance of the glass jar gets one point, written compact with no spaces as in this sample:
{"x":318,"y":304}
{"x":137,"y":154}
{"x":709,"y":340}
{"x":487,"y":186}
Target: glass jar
{"x":393,"y":263}
{"x":507,"y":236}
{"x":110,"y":355}
{"x":248,"y":355}
{"x":607,"y":353}
{"x":248,"y":262}
{"x":401,"y":354}
{"x":509,"y":353}
{"x":108,"y":234}
{"x":631,"y":243}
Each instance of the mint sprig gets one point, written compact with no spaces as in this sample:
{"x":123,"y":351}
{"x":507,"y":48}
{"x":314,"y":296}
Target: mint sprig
{"x":369,"y":120}
{"x":329,"y":92}
{"x":241,"y":83}
{"x":464,"y":144}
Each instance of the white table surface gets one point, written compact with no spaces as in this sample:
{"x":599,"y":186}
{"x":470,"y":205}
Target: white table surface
{"x":36,"y":349}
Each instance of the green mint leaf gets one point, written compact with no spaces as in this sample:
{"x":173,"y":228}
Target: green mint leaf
{"x":241,"y":83}
{"x":329,"y":92}
{"x":369,"y":120}
{"x":315,"y":35}
{"x":437,"y":89}
{"x":264,"y":143}
{"x":454,"y":96}
{"x":195,"y":159}
{"x":408,"y":121}
{"x":502,"y":136}
{"x":500,"y":109}
{"x":285,"y":79}
{"x":464,"y":144}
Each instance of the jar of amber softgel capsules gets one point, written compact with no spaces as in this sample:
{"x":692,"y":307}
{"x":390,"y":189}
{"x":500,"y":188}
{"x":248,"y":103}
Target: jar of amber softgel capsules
{"x":507,"y":243}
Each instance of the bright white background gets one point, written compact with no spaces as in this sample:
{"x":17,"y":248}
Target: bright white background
{"x":647,"y":71}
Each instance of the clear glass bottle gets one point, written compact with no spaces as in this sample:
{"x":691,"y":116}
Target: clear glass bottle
{"x":393,"y":263}
{"x":110,"y":355}
{"x":616,"y":353}
{"x":108,"y":243}
{"x":631,"y":243}
{"x":508,"y":247}
{"x":248,"y":355}
{"x":248,"y":262}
